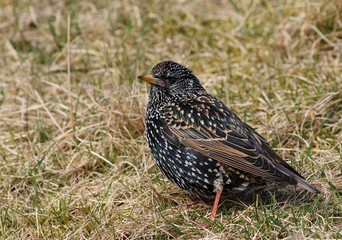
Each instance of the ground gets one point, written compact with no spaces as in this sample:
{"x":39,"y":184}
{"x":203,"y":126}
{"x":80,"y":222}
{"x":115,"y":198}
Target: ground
{"x":74,"y":163}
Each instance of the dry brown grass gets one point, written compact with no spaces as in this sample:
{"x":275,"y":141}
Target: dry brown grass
{"x":73,"y":158}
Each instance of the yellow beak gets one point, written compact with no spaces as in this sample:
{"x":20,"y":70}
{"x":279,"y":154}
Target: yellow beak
{"x":152,"y":80}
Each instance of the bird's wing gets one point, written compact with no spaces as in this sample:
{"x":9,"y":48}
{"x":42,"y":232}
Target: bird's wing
{"x":206,"y":125}
{"x":266,"y":148}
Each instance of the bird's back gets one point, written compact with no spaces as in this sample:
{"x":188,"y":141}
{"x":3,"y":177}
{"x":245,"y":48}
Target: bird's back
{"x":206,"y":144}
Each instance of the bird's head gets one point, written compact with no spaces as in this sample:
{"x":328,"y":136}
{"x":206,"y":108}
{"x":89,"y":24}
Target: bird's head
{"x":172,"y":81}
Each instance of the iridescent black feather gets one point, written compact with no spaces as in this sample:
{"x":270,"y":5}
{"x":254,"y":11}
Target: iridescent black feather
{"x":200,"y":144}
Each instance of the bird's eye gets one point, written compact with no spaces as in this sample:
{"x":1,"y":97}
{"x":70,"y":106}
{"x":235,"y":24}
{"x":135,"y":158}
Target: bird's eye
{"x":171,"y":80}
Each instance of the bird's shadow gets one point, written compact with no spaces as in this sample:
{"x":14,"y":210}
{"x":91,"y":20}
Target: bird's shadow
{"x":285,"y":198}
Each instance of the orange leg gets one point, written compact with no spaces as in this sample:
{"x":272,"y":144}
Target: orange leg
{"x":215,"y":206}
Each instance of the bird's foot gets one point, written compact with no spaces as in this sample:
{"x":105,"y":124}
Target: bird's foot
{"x":192,"y":202}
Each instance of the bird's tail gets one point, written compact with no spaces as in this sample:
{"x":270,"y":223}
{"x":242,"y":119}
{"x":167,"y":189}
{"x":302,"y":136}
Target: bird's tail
{"x":301,"y":182}
{"x":305,"y":185}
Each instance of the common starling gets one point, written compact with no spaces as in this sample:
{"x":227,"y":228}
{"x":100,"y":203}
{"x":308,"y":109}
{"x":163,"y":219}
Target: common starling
{"x":201,"y":145}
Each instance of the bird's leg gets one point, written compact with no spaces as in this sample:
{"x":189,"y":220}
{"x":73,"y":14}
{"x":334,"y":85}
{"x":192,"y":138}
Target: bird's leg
{"x":215,"y":206}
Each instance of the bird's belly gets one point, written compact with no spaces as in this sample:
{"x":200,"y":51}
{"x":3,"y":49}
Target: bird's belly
{"x":192,"y":171}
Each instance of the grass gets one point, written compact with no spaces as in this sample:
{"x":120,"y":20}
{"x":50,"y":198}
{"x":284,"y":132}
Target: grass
{"x":74,"y":163}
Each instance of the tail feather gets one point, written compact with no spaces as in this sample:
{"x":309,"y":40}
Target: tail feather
{"x":305,"y":185}
{"x":301,"y":182}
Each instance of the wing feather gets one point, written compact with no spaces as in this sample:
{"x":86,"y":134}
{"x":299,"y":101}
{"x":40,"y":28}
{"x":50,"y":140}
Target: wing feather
{"x":206,"y":125}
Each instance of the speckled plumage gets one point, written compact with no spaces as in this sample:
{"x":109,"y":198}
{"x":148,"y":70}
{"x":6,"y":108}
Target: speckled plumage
{"x":200,"y":144}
